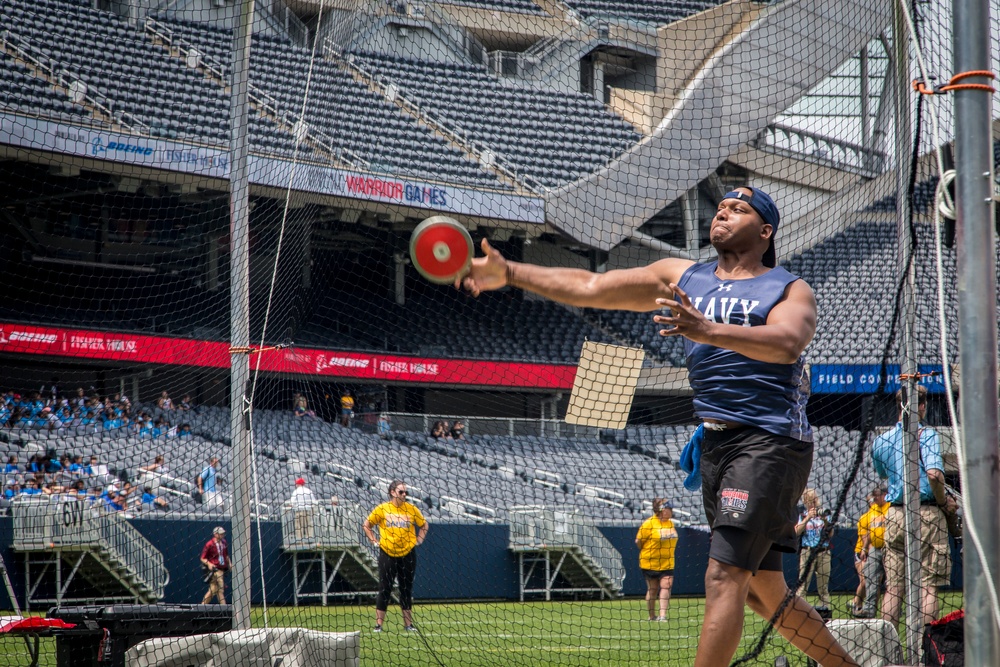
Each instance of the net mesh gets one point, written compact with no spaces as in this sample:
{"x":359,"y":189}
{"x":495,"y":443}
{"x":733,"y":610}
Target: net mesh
{"x":591,"y":134}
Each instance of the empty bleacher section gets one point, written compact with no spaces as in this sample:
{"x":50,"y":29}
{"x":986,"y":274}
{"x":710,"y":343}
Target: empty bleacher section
{"x":850,"y":273}
{"x":22,"y":91}
{"x":549,"y":136}
{"x":169,"y":98}
{"x":366,"y":130}
{"x":447,"y":323}
{"x":660,"y":12}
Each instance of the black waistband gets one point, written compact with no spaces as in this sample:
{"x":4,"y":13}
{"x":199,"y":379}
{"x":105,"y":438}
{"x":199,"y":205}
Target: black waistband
{"x":923,"y":503}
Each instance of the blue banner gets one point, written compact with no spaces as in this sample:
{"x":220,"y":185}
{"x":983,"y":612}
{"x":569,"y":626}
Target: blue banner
{"x":865,"y":378}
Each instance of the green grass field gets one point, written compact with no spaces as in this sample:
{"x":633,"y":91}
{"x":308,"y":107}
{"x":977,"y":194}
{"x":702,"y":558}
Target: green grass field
{"x":578,"y":634}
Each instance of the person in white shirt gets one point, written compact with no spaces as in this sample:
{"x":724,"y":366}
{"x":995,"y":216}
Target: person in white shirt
{"x":303,"y":502}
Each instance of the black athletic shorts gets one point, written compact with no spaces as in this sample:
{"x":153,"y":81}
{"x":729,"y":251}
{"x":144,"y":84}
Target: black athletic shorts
{"x":752,"y":480}
{"x":656,"y":574}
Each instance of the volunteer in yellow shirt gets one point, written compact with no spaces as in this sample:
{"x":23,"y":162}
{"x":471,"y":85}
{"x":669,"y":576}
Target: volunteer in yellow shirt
{"x":401,"y":527}
{"x":657,"y":542}
{"x":871,"y":532}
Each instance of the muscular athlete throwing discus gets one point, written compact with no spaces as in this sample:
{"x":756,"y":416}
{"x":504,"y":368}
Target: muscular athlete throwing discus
{"x":745,"y":323}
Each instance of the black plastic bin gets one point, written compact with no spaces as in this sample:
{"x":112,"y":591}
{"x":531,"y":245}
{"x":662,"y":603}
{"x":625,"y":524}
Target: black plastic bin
{"x":117,"y":628}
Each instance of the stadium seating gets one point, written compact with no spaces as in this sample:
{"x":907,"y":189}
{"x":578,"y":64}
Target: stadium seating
{"x":22,"y":91}
{"x":660,"y":12}
{"x":550,"y":136}
{"x":446,"y":323}
{"x":608,"y":481}
{"x":118,"y":61}
{"x":361,"y":123}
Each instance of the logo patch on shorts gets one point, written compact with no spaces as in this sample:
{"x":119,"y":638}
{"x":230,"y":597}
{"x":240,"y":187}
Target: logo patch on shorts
{"x":734,"y":499}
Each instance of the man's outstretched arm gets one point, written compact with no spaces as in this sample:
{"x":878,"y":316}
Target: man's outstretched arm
{"x":633,"y":289}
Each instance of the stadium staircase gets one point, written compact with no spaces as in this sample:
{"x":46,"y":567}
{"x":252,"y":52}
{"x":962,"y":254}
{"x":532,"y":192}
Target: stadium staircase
{"x":107,"y":558}
{"x":562,"y":552}
{"x":328,"y":542}
{"x":691,"y":141}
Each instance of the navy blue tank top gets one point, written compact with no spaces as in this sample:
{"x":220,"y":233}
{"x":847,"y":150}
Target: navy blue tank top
{"x":729,"y":386}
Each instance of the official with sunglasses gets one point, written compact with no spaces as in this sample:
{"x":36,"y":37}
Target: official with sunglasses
{"x":401,"y":527}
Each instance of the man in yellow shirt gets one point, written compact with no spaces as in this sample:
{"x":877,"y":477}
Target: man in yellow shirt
{"x":871,"y":532}
{"x":346,"y":408}
{"x":657,"y":542}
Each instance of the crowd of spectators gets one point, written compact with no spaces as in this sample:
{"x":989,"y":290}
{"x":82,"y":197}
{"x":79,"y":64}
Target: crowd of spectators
{"x":91,"y":412}
{"x":69,"y":477}
{"x":442,"y":430}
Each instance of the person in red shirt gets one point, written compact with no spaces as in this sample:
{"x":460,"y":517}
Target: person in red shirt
{"x":215,"y":558}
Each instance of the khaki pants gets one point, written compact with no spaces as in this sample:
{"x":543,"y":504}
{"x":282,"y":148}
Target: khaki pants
{"x":304,"y":525}
{"x":216,"y":587}
{"x":935,"y":554}
{"x":821,"y":568}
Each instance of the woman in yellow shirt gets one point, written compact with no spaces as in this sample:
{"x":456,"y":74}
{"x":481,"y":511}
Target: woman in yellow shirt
{"x":401,"y":527}
{"x":657,"y":542}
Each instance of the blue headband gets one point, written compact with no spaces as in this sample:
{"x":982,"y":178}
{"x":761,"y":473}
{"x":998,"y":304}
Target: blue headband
{"x":761,"y":202}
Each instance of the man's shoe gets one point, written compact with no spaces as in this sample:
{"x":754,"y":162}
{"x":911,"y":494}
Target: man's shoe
{"x":378,"y":628}
{"x":409,"y":628}
{"x":861,"y":613}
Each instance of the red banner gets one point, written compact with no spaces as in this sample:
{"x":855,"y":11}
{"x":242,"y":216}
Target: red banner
{"x":26,"y":339}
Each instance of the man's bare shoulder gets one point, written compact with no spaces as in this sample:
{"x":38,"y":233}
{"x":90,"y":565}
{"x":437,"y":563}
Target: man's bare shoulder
{"x":671,"y":269}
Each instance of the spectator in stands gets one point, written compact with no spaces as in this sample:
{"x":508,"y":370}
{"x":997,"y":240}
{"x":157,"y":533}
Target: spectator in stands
{"x":401,"y":527}
{"x":935,"y":558}
{"x":657,"y":542}
{"x":80,"y":402}
{"x":458,"y":430}
{"x":303,"y":503}
{"x":158,"y":465}
{"x":184,"y":431}
{"x":11,"y":489}
{"x":745,"y":365}
{"x":207,"y":481}
{"x":810,"y":529}
{"x":186,"y":403}
{"x":383,"y":425}
{"x":346,"y":408}
{"x":77,"y":467}
{"x":149,"y":500}
{"x":215,"y":560}
{"x":871,"y":538}
{"x":161,"y":428}
{"x":164,"y":402}
{"x":12,"y":467}
{"x":31,"y":487}
{"x":438,"y":430}
{"x":300,"y":407}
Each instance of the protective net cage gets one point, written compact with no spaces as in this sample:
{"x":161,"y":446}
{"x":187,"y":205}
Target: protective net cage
{"x":533,"y":436}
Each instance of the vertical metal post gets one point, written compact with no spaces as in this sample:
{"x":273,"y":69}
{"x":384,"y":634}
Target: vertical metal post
{"x":907,"y":347}
{"x":977,"y":280}
{"x":239,"y":314}
{"x":864,"y":102}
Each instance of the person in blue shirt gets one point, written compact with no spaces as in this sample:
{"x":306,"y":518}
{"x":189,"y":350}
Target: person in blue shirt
{"x":889,"y":462}
{"x":746,"y":323}
{"x":31,"y":488}
{"x":207,"y":480}
{"x":12,"y":466}
{"x":810,"y":529}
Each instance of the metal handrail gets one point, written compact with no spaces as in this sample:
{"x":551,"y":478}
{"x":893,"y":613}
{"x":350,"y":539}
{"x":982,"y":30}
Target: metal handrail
{"x":330,"y":526}
{"x":536,"y":526}
{"x":470,"y":510}
{"x":58,"y":74}
{"x":56,"y":522}
{"x":821,"y":149}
